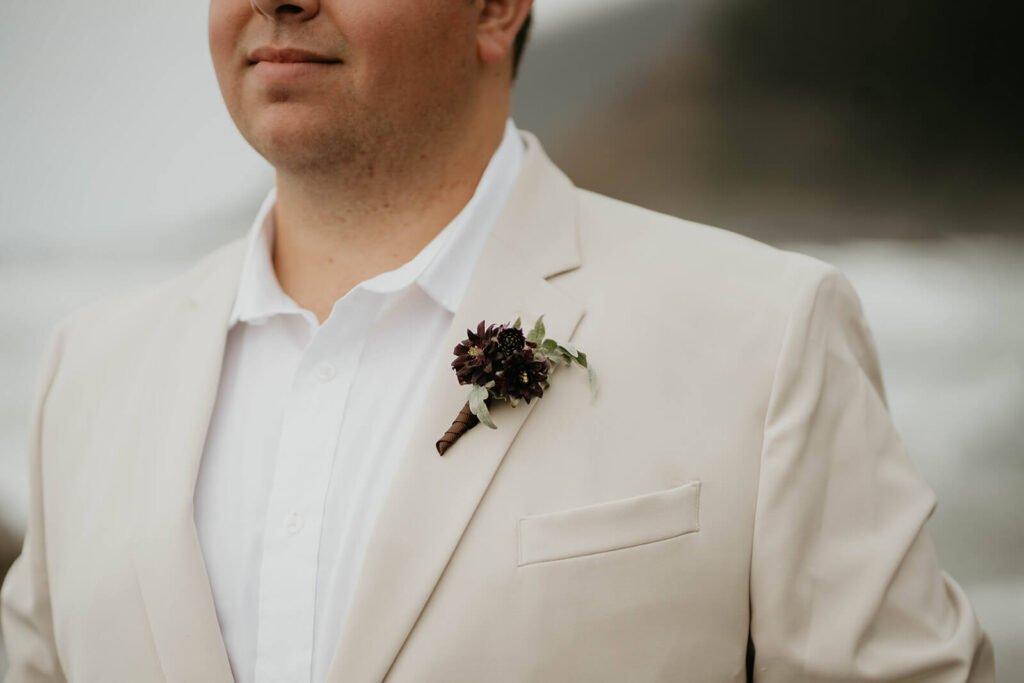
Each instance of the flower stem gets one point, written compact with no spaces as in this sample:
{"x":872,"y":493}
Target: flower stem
{"x":465,"y":421}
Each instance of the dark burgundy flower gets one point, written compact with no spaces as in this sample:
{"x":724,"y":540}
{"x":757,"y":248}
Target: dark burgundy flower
{"x":511,"y":339}
{"x":522,"y":375}
{"x":501,"y":354}
{"x":503,"y":365}
{"x":475,"y":357}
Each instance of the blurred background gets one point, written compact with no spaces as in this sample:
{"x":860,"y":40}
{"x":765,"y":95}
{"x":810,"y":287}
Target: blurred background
{"x":883,"y":137}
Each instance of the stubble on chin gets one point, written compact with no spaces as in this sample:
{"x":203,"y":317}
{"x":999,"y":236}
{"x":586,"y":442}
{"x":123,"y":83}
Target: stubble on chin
{"x":359,"y":146}
{"x":303,"y":149}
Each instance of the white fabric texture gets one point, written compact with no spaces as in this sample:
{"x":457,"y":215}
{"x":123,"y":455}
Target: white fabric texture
{"x":308,"y":426}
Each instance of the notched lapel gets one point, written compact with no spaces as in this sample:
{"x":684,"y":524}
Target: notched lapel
{"x":432,"y":498}
{"x":166,"y":552}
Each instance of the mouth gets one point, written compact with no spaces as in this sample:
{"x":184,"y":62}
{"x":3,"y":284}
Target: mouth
{"x":289,"y":66}
{"x":288,"y":55}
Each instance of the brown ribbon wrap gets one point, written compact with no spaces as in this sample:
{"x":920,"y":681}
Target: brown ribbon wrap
{"x":465,"y":421}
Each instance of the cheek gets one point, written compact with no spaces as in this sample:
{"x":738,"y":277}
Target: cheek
{"x":227,"y":20}
{"x":227,"y":23}
{"x":416,"y":55}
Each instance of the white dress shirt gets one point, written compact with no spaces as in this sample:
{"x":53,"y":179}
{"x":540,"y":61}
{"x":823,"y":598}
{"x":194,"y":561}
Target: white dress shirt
{"x":309,"y":424}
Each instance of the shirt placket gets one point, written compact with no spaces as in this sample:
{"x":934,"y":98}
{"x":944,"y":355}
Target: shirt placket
{"x":313,"y":415}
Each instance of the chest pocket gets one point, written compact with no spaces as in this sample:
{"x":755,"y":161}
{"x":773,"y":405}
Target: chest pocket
{"x":610,"y":526}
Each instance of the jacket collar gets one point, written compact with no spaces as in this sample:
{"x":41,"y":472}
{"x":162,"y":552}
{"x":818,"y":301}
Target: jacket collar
{"x":441,"y":269}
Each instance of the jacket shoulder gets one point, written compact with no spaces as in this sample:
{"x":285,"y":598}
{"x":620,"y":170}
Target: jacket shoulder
{"x":117,"y":319}
{"x":705,"y":292}
{"x":686,"y":258}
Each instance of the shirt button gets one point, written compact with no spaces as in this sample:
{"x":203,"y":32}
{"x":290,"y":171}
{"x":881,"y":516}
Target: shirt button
{"x":324,"y":372}
{"x":294,"y":524}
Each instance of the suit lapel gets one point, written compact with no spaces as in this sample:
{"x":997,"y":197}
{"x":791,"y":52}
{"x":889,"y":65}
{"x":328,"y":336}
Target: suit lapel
{"x":168,"y":558}
{"x":432,"y":499}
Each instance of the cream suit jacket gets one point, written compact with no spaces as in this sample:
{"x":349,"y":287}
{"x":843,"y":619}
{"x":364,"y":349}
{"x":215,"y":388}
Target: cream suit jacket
{"x":736,"y":477}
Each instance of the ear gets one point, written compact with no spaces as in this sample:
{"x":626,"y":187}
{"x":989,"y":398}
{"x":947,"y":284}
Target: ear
{"x":499,"y":22}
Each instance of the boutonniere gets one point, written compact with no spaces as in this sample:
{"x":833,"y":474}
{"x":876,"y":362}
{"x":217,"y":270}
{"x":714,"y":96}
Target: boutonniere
{"x":502,"y":364}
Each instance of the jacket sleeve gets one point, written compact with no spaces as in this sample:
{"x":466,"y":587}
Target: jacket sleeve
{"x":845,"y":582}
{"x":25,"y":616}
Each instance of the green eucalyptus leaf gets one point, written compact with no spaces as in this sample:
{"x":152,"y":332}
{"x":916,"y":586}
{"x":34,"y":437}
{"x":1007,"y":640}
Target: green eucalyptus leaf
{"x":549,"y":345}
{"x":565,"y":353}
{"x":478,"y":404}
{"x":581,"y":358}
{"x":536,"y":335}
{"x":570,"y":349}
{"x":476,"y":392}
{"x":557,"y":357}
{"x":518,"y":324}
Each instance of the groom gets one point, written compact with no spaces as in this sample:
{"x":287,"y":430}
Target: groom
{"x":234,"y":474}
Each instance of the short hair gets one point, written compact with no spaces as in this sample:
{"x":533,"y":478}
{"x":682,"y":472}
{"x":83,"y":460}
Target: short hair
{"x":520,"y":44}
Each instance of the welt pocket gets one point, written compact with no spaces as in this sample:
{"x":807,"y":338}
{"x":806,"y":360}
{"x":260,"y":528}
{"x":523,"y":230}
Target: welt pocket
{"x":610,"y":526}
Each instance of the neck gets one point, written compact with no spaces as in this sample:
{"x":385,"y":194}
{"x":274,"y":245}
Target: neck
{"x":335,"y":227}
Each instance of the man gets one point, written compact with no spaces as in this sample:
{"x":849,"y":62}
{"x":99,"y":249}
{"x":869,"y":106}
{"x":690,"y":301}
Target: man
{"x":234,"y":476}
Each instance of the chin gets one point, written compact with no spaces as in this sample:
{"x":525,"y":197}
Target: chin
{"x":289,"y":140}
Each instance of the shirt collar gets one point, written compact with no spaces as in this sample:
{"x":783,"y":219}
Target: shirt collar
{"x":441,"y":269}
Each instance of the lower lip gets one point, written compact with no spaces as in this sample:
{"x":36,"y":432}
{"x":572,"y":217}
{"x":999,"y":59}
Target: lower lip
{"x":289,"y":72}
